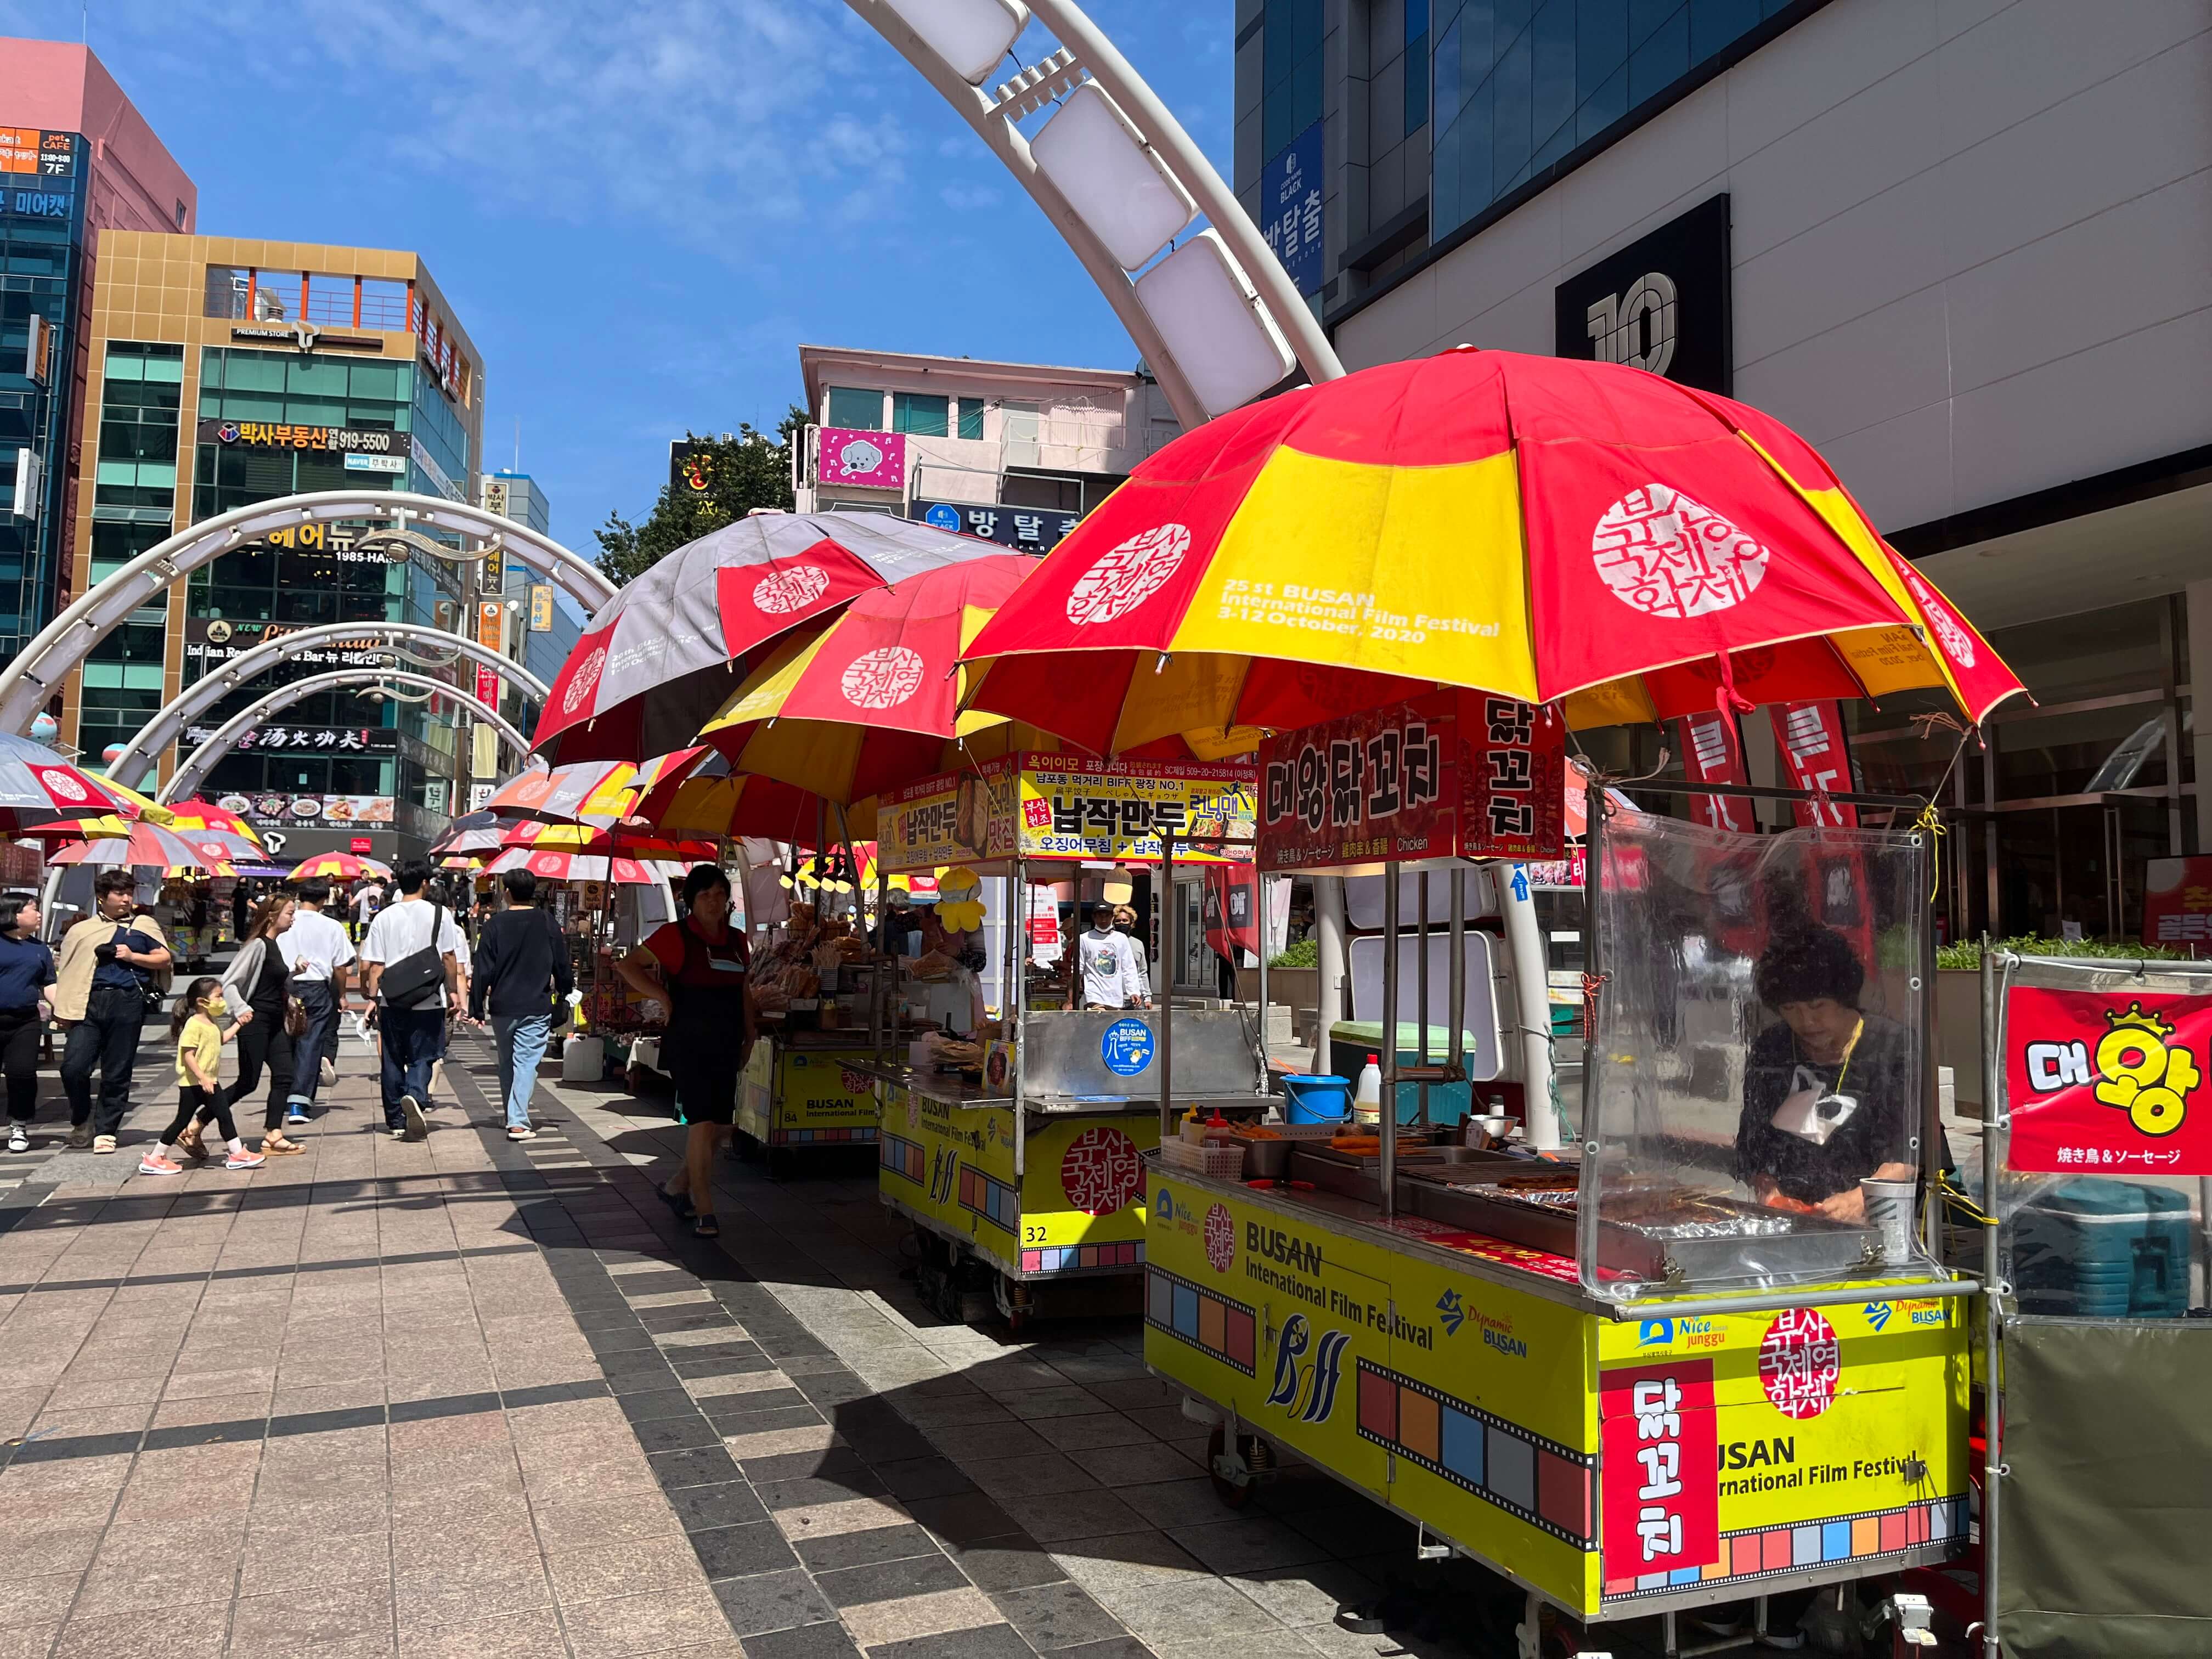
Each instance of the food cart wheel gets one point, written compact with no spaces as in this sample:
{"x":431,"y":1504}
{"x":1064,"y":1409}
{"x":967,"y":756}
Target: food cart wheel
{"x":1234,"y":1493}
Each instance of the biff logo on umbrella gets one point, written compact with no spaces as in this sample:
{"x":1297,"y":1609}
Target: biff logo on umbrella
{"x":586,"y":681}
{"x":1666,"y":555}
{"x":882,"y":679}
{"x":782,"y":592}
{"x":1127,"y":575}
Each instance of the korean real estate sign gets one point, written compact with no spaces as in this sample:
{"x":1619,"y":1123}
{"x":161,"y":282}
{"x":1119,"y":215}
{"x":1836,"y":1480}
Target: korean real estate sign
{"x":1450,"y":774}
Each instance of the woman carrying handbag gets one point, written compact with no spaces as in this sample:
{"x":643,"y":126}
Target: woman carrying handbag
{"x":260,"y":986}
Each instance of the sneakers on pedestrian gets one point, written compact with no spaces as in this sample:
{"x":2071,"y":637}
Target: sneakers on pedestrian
{"x":522,"y":1131}
{"x":103,"y":1143}
{"x":296,"y":1113}
{"x":19,"y":1137}
{"x":242,"y":1159}
{"x":329,"y":1073}
{"x":418,"y":1126}
{"x":80,"y":1137}
{"x":155,"y":1164}
{"x":397,"y":1131}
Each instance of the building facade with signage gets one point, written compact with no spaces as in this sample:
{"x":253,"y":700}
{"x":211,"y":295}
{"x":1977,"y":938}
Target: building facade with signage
{"x":537,"y":625}
{"x":1011,"y":452}
{"x":227,"y":371}
{"x":1958,"y":248}
{"x":76,"y":161}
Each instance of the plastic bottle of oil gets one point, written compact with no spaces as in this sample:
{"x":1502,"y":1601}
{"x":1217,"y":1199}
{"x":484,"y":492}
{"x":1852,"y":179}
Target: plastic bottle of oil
{"x":1367,"y":1095}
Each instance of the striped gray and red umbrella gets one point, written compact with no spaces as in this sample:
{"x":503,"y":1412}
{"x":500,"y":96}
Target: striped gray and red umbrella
{"x":36,"y":785}
{"x":663,"y":654}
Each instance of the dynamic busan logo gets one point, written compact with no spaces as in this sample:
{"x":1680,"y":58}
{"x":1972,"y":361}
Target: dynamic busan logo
{"x":1452,"y":1311}
{"x":1877,"y":1315}
{"x":1307,"y":1391}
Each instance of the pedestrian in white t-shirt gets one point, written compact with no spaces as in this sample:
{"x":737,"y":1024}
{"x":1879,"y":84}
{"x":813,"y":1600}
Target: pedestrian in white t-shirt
{"x":1111,"y":977}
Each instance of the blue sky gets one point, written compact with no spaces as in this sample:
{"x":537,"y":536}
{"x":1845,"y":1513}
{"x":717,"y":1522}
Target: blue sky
{"x":638,"y":209}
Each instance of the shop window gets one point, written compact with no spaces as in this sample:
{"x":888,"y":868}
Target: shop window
{"x":316,"y":377}
{"x":386,"y":381}
{"x":971,"y":417}
{"x":918,"y":414}
{"x":856,"y":409}
{"x":253,"y":371}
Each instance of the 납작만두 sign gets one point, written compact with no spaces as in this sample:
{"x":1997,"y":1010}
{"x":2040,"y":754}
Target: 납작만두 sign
{"x":1450,"y":774}
{"x":1068,"y":807}
{"x":2108,"y":1080}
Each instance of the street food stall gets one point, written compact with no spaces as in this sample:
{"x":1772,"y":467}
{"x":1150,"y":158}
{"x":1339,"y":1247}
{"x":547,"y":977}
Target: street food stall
{"x":1018,"y":1158}
{"x":1640,"y":1373}
{"x":801,"y":1094}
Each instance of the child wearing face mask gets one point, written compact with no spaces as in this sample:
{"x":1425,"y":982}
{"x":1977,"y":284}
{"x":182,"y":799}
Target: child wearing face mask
{"x":196,"y":1028}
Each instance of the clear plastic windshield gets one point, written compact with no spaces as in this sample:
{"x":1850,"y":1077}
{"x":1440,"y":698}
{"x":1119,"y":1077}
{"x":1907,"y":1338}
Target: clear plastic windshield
{"x":1758,"y":1078}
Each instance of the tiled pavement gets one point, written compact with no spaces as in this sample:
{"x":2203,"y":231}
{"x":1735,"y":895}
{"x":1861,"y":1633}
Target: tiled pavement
{"x":467,"y":1398}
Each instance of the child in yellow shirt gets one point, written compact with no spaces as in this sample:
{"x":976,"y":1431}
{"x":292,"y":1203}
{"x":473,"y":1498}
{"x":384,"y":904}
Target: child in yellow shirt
{"x":196,"y":1030}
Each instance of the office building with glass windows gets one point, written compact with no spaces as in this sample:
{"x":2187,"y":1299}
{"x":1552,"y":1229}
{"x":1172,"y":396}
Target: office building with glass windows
{"x":224,"y":371}
{"x":1960,"y":247}
{"x":77,"y":162}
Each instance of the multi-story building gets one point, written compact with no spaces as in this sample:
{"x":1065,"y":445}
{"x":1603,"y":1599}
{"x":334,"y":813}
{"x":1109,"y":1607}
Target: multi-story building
{"x":1013,"y":452}
{"x":537,"y":625}
{"x":1958,"y":247}
{"x":226,"y":371}
{"x":76,"y":160}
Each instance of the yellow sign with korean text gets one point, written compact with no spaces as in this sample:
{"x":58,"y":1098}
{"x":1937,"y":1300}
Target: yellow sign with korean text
{"x":1830,"y":1440}
{"x":1077,"y":1206}
{"x":1077,"y":806}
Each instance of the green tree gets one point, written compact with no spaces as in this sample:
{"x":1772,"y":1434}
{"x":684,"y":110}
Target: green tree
{"x":741,"y":472}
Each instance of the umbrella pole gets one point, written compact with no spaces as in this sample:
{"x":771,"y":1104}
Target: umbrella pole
{"x":1386,"y":1123}
{"x":1163,"y":903}
{"x":1421,"y":987}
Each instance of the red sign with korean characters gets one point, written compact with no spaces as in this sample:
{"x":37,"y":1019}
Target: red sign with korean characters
{"x":1450,"y":774}
{"x":2178,"y":903}
{"x":1661,"y":1478}
{"x":2108,"y":1080}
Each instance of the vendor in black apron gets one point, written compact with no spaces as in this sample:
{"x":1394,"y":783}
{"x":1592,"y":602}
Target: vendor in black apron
{"x":1826,"y":1090}
{"x":697,"y":968}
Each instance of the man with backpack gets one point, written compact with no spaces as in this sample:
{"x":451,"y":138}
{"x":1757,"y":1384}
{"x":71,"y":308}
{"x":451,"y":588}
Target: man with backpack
{"x":522,"y":973}
{"x":413,"y":977}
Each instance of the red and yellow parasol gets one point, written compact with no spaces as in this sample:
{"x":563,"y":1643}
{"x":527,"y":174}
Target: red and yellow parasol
{"x":549,"y":864}
{"x":337,"y":866}
{"x":1547,"y":529}
{"x":871,"y":700}
{"x":110,"y":840}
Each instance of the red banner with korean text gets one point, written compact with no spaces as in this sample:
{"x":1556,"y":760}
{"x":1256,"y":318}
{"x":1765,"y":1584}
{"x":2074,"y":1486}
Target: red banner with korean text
{"x":2178,"y":904}
{"x":1450,"y":774}
{"x":1712,"y":752}
{"x":2108,"y":1080}
{"x":1662,"y":1479}
{"x":1817,"y":750}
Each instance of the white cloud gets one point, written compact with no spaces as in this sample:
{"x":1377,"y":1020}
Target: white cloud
{"x":712,"y":119}
{"x":966,"y":198}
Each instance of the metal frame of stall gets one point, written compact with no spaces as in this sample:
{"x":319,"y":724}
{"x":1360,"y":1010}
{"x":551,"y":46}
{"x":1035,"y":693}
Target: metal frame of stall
{"x":1013,"y":1288}
{"x":1996,"y":974}
{"x":1227,"y":1462}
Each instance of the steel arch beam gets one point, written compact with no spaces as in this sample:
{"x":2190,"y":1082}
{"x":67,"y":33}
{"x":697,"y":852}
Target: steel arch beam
{"x":36,"y":670}
{"x":1089,"y":53}
{"x":167,"y":723}
{"x":187,"y":776}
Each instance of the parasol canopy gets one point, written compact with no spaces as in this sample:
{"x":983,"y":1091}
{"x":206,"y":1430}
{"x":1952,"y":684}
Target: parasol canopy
{"x":338,"y":867}
{"x":36,"y":784}
{"x":142,"y":845}
{"x":656,"y":660}
{"x":870,"y":700}
{"x":550,"y":864}
{"x":590,"y":792}
{"x":478,"y":832}
{"x":696,"y":792}
{"x":1540,"y":527}
{"x":635,"y":842}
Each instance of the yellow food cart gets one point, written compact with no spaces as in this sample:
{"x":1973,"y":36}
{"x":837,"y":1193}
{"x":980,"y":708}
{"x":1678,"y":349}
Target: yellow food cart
{"x":808,"y":1092}
{"x":1026,"y":1185}
{"x":1614,"y":1373}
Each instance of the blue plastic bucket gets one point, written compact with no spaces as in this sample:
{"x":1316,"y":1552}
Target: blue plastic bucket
{"x":1323,"y":1099}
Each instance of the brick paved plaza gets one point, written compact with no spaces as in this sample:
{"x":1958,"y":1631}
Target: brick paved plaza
{"x":467,"y":1398}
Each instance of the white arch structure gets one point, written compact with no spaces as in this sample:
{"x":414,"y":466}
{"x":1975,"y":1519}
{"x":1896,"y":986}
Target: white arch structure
{"x":167,"y":723}
{"x":38,"y":669}
{"x":1120,"y":181}
{"x":186,"y":777}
